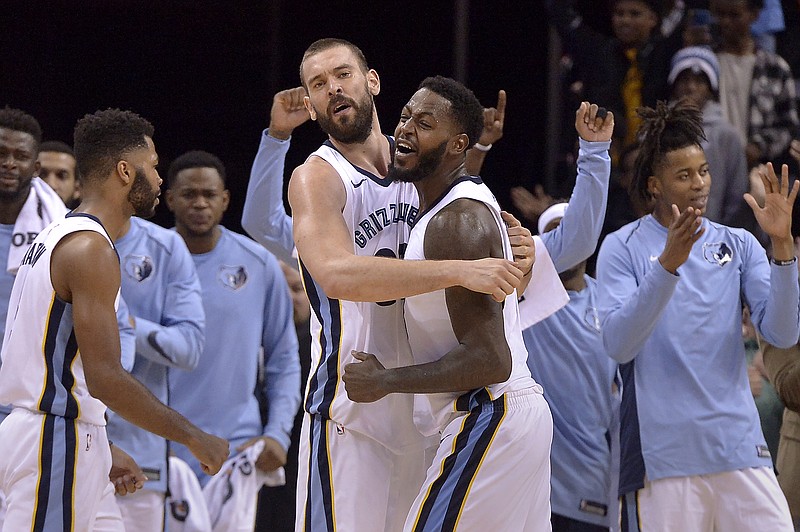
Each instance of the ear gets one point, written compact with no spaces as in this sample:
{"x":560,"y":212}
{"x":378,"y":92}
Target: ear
{"x":125,"y":172}
{"x":459,"y":143}
{"x":653,"y":186}
{"x":309,"y":108}
{"x":37,"y":166}
{"x":374,"y":82}
{"x":168,"y":197}
{"x":226,"y":199}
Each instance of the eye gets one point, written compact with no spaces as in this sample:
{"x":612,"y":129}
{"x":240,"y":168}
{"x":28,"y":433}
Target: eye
{"x":403,"y":119}
{"x":345,"y":74}
{"x":316,"y":85}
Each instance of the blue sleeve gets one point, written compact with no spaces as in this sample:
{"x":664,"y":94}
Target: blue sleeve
{"x":773,"y":295}
{"x":178,"y":340}
{"x":575,"y":239}
{"x":281,"y":359}
{"x":264,"y":215}
{"x":628,"y":310}
{"x":127,"y":336}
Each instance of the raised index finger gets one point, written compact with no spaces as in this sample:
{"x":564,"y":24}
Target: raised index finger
{"x":501,"y":106}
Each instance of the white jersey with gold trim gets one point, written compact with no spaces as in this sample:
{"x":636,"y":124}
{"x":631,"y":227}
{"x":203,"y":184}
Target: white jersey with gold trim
{"x":430,"y":331}
{"x":42,"y":369}
{"x":379,"y":215}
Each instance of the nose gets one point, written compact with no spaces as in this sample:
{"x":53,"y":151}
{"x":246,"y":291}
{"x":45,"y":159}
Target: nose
{"x":334,"y":87}
{"x":8,"y":160}
{"x":698,"y":181}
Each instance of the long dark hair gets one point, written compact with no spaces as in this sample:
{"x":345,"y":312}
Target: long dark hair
{"x":666,"y":128}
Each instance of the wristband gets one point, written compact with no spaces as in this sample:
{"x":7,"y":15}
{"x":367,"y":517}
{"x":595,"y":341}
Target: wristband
{"x":784,"y":262}
{"x":482,"y":147}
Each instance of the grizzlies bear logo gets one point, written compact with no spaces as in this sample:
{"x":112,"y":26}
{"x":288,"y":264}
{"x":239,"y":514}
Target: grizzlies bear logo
{"x":232,"y":277}
{"x":717,"y":253}
{"x":138,"y":267}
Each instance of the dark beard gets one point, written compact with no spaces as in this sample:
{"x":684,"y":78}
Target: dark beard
{"x":426,"y":165}
{"x":355,"y":132}
{"x":142,"y":196}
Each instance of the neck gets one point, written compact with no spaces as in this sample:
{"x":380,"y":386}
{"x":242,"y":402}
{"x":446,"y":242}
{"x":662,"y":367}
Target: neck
{"x":744,"y":46}
{"x":433,"y":186}
{"x":372,"y":154}
{"x":662,"y":215}
{"x":114,"y":219}
{"x":199,"y":243}
{"x":11,"y":207}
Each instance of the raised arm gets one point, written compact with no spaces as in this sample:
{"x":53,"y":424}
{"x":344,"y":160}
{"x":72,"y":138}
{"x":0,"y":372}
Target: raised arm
{"x":775,"y":308}
{"x":493,"y":120}
{"x":575,"y":239}
{"x":464,"y":230}
{"x":75,"y":264}
{"x":178,"y":339}
{"x":317,"y":197}
{"x":264,"y":216}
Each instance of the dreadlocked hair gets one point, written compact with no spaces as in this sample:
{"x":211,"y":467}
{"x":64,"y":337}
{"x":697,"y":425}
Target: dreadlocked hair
{"x":668,"y":127}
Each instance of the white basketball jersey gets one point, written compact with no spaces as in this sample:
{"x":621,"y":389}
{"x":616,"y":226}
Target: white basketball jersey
{"x":430,"y":331}
{"x":379,"y":215}
{"x":42,"y":369}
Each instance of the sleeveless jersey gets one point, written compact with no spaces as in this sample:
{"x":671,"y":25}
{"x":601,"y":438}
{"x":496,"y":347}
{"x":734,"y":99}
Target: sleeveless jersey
{"x":42,"y":369}
{"x":379,"y":214}
{"x":430,"y":330}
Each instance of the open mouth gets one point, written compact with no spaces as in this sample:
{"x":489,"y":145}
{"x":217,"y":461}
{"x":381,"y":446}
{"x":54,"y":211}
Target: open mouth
{"x":404,"y":148}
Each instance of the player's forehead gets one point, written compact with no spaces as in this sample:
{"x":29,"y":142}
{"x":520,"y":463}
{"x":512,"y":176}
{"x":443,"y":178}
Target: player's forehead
{"x":332,"y":58}
{"x":425,"y":101}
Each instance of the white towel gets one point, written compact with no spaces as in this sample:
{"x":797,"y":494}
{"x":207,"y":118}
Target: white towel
{"x":545,"y":294}
{"x":40,"y":209}
{"x":186,"y":506}
{"x":231,"y":494}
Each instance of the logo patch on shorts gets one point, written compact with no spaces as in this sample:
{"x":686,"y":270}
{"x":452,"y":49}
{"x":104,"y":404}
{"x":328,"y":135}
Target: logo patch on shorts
{"x":339,"y":429}
{"x":717,"y":253}
{"x":179,"y":509}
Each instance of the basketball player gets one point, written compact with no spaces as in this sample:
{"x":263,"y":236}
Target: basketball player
{"x":357,"y":457}
{"x":671,"y":290}
{"x":246,"y":297}
{"x":61,"y":353}
{"x":491,"y":469}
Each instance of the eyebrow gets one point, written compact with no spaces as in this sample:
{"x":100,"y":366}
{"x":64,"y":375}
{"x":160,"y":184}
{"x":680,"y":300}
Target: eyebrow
{"x":344,"y":66}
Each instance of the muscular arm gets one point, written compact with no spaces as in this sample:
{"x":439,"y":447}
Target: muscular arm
{"x":317,"y":197}
{"x":75,"y":264}
{"x":463,"y":230}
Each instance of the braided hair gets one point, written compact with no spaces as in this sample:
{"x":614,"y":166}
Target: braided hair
{"x":668,"y":127}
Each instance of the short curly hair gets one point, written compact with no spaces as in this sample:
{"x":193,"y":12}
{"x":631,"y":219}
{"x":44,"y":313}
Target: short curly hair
{"x":18,"y":120}
{"x":465,"y":107}
{"x":103,"y":138}
{"x":195,"y":159}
